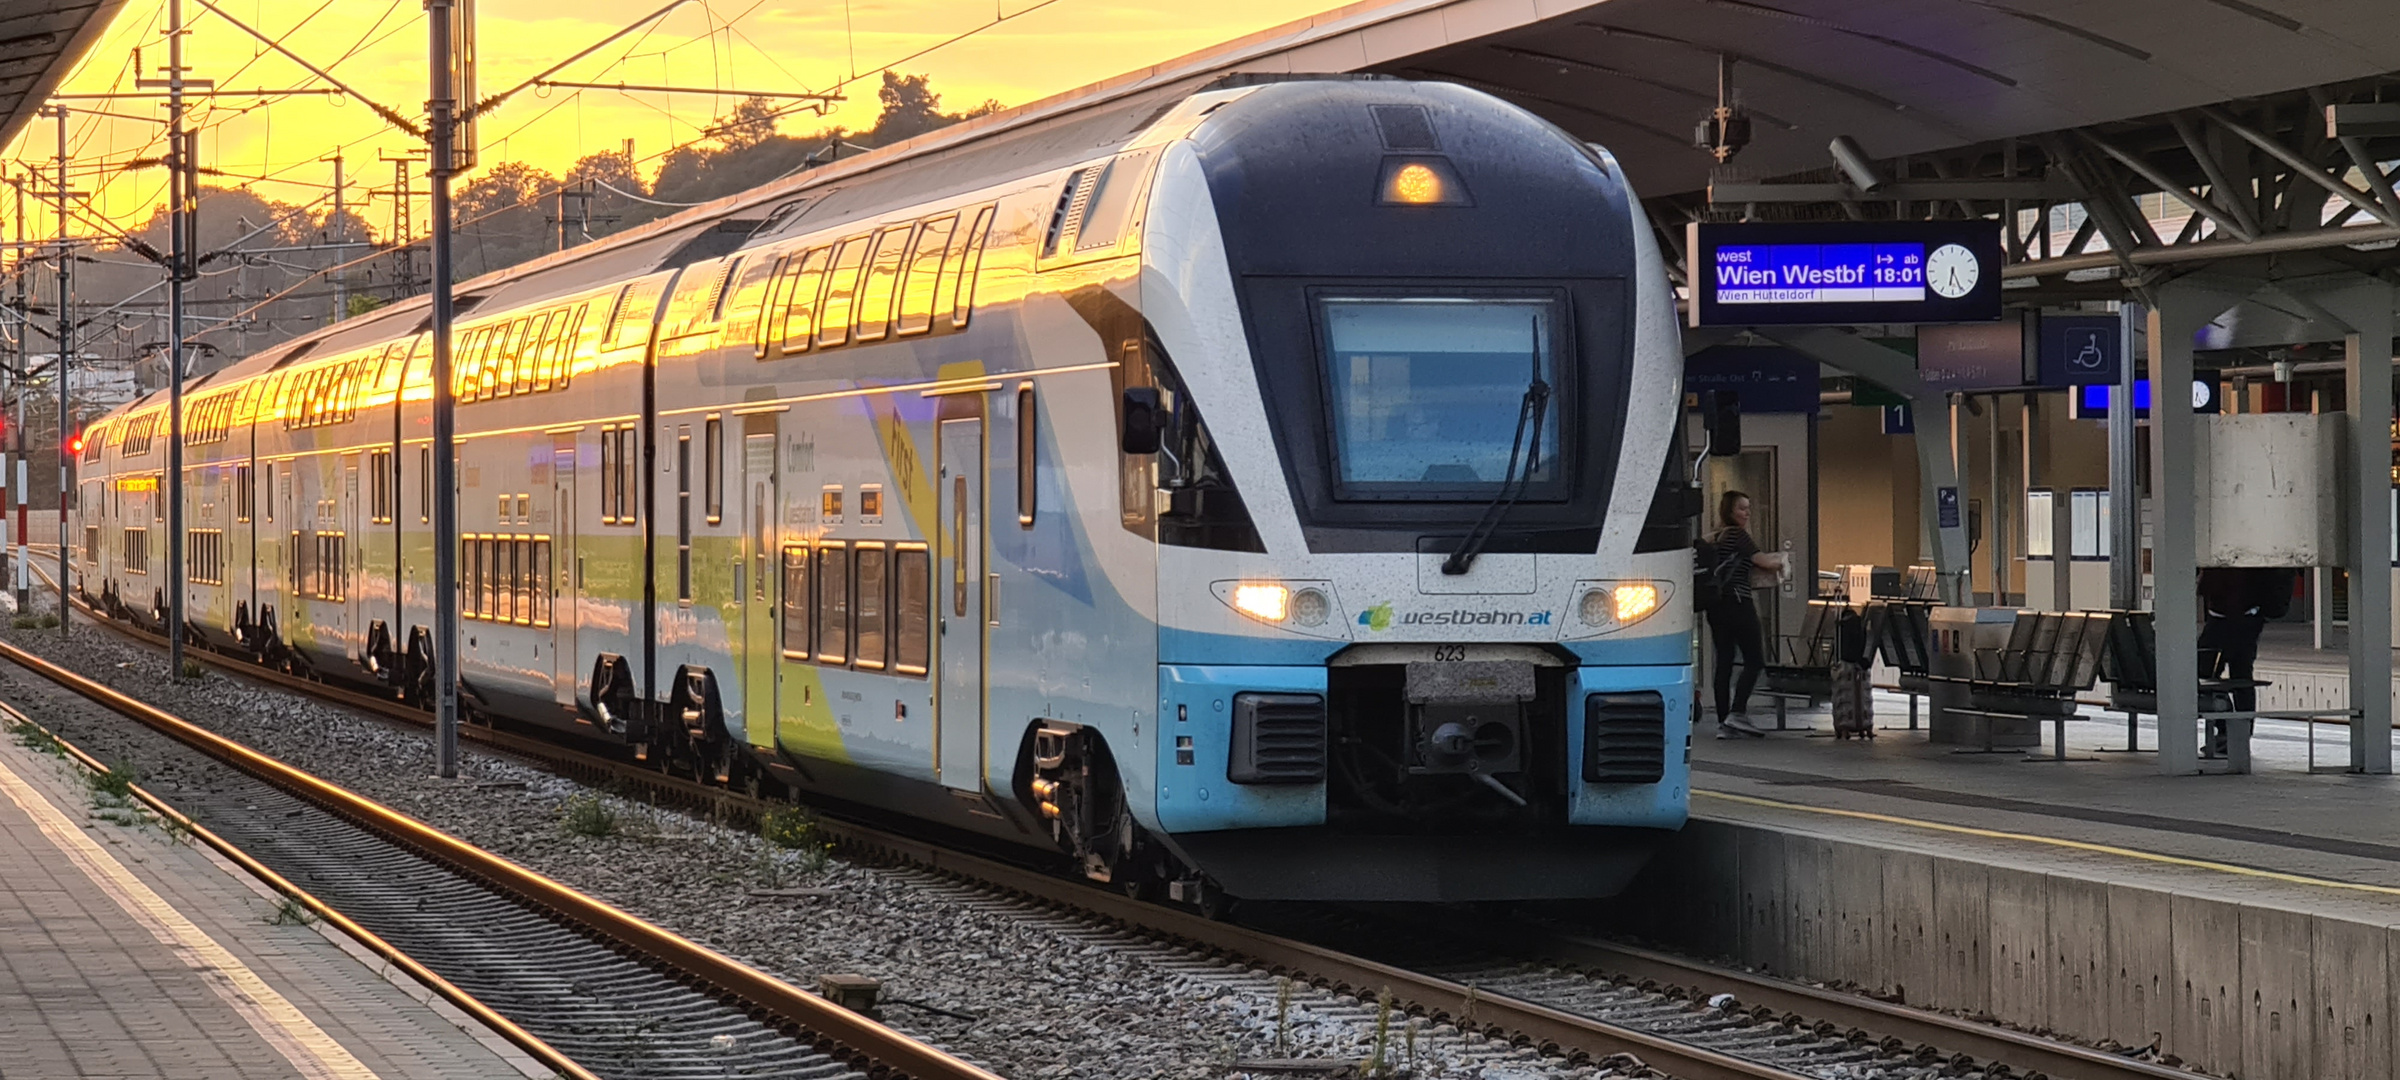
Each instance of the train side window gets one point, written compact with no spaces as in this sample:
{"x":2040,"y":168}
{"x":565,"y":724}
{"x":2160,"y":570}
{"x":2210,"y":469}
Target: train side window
{"x":470,"y":577}
{"x":245,"y":493}
{"x":629,"y":323}
{"x":462,"y":364}
{"x":270,"y":486}
{"x":504,"y":583}
{"x":534,"y":355}
{"x":629,"y":474}
{"x":924,"y":280}
{"x":1028,"y":455}
{"x":833,"y":604}
{"x":754,"y":303}
{"x":487,"y":358}
{"x":883,"y":281}
{"x":488,"y":585}
{"x":537,"y":580}
{"x":797,"y":602}
{"x":424,"y":483}
{"x":800,"y":305}
{"x":841,"y":290}
{"x":500,"y":372}
{"x":555,"y":344}
{"x":487,"y":361}
{"x":608,"y":470}
{"x":912,"y":609}
{"x":379,"y":486}
{"x":713,"y":458}
{"x":576,"y":348}
{"x":526,"y":354}
{"x":683,"y":513}
{"x":612,"y":476}
{"x":970,"y":264}
{"x":520,"y":569}
{"x":867,"y":605}
{"x":744,"y":304}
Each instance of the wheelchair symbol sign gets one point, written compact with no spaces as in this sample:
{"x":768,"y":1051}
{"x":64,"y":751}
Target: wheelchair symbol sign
{"x":2080,"y":349}
{"x":2088,"y":355}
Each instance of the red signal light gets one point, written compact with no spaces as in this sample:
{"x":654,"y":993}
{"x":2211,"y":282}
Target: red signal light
{"x":75,"y":444}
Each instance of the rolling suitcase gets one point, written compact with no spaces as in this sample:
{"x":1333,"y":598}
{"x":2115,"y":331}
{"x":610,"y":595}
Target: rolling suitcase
{"x":1853,"y":701}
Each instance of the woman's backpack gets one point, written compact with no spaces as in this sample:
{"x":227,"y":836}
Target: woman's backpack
{"x":1712,"y":575}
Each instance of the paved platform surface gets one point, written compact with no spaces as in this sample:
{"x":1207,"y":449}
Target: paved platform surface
{"x":124,"y":953}
{"x":2282,"y":835}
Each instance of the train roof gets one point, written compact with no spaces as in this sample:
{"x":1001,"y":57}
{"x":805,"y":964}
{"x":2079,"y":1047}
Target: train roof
{"x":962,"y":157}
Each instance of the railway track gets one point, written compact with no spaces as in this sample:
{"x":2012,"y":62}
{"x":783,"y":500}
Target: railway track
{"x":1579,"y":997}
{"x":589,"y":990}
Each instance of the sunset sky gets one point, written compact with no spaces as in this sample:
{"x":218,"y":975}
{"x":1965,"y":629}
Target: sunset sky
{"x":378,"y":47}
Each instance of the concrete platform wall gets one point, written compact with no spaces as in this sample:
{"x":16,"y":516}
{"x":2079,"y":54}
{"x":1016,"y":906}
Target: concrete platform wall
{"x":2242,"y":991}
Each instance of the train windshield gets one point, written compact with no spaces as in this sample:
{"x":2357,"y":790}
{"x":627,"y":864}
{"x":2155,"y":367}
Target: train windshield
{"x":1425,"y":395}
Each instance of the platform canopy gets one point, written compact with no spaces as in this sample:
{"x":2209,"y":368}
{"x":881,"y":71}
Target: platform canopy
{"x":1902,"y":77}
{"x":39,"y":41}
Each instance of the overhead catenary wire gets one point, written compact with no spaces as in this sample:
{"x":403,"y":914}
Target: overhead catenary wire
{"x":647,"y":26}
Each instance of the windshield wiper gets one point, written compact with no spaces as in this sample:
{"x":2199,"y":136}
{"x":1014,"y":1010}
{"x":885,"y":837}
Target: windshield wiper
{"x":1535,"y":408}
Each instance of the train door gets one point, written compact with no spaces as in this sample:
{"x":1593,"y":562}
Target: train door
{"x":562,"y":568}
{"x":246,"y":513}
{"x":347,"y":554}
{"x":760,"y":645}
{"x":958,"y":719}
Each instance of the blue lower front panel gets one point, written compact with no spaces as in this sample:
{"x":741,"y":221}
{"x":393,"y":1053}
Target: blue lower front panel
{"x":1195,"y":713}
{"x":1660,"y":805}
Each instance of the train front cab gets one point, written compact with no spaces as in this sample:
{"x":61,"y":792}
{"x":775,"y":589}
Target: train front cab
{"x":1342,"y":716}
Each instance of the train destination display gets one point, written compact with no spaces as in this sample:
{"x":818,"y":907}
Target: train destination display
{"x":1844,"y":272}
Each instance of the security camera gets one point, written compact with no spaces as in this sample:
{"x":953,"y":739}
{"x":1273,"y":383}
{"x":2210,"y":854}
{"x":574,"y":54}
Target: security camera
{"x":1855,"y":164}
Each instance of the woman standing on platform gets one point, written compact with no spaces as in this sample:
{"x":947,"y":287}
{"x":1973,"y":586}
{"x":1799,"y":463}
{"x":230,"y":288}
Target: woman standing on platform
{"x":1733,"y":625}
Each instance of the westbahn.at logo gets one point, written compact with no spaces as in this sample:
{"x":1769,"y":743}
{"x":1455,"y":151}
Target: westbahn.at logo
{"x":1382,"y":617}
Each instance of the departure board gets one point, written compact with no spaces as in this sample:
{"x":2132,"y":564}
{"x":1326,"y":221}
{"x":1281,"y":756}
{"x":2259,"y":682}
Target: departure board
{"x":1820,"y":273}
{"x":1844,"y":273}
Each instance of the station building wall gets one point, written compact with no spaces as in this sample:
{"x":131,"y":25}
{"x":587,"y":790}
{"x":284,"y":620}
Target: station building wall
{"x":1870,"y":505}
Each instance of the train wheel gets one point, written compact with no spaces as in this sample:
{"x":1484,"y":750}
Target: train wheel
{"x":1075,"y":787}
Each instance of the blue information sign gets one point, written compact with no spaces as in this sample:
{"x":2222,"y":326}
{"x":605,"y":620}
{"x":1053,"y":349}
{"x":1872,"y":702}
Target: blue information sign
{"x":1844,"y":272}
{"x":1945,"y":507}
{"x":1766,"y":379}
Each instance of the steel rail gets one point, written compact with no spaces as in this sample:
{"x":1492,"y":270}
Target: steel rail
{"x":532,"y":1044}
{"x":1550,"y":1029}
{"x":1440,"y":999}
{"x":2022,"y":1052}
{"x":840,"y":1031}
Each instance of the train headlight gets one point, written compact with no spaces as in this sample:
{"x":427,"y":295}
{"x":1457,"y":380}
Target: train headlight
{"x":1266,"y":603}
{"x":1311,"y":606}
{"x":1421,"y":181}
{"x":1607,"y":606}
{"x":1634,"y":601}
{"x":1299,"y":607}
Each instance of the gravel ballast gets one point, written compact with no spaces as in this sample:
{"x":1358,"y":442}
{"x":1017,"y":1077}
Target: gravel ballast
{"x":1028,"y":992}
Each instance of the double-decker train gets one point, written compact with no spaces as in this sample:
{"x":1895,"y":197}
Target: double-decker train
{"x":1270,"y":490}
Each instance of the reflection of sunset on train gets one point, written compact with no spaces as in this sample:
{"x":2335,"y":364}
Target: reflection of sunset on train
{"x":379,"y":49}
